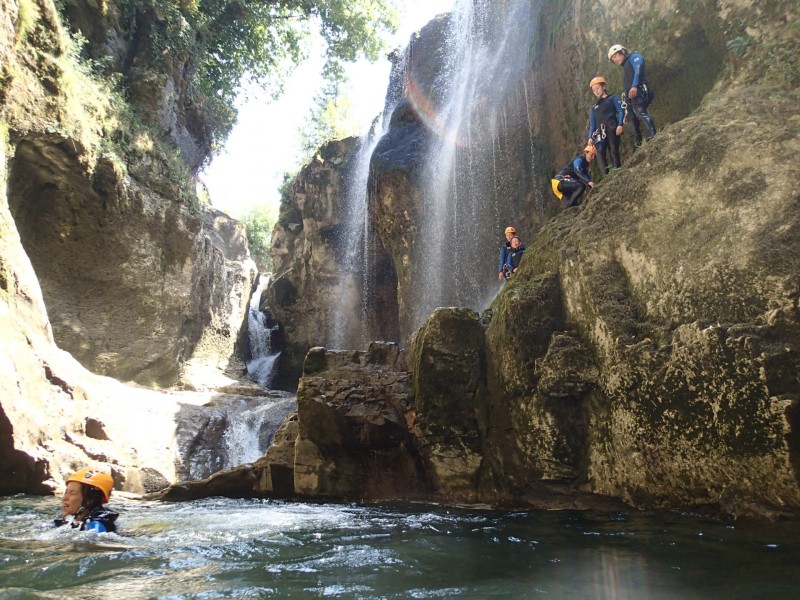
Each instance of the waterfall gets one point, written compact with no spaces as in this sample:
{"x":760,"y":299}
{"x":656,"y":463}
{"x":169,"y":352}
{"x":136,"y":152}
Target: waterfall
{"x":473,"y":180}
{"x":251,"y":427}
{"x":349,"y":326}
{"x":261,"y":363}
{"x":347,"y":322}
{"x":228,"y":431}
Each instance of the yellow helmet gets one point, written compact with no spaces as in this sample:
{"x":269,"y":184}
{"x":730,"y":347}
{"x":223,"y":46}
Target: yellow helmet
{"x":597,"y":80}
{"x":510,"y":230}
{"x":616,"y":48}
{"x":592,"y":152}
{"x":97,"y":479}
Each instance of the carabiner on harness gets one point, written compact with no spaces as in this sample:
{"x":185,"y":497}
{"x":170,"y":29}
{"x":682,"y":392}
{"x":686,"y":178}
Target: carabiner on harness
{"x":599,"y":134}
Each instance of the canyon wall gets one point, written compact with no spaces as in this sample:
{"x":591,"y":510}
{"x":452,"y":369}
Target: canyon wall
{"x":110,"y":265}
{"x":648,"y":348}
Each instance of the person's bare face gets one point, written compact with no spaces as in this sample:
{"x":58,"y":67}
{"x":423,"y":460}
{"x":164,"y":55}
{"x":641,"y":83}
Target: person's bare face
{"x":617,"y":58}
{"x":72,"y":499}
{"x":515,"y":243}
{"x":598,"y":89}
{"x":510,"y":235}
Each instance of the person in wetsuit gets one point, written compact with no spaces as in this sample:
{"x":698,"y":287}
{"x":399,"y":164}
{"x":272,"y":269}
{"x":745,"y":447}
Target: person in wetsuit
{"x":606,"y":119}
{"x":513,"y":257}
{"x":637,"y":94}
{"x":504,"y":250}
{"x":82,"y":503}
{"x":574,"y":179}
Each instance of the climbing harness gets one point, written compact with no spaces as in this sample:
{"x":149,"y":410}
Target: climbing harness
{"x":599,"y":134}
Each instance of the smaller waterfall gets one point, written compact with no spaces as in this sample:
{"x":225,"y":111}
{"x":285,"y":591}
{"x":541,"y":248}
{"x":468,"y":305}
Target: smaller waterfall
{"x":228,"y":431}
{"x":261,"y":363}
{"x":251,"y":427}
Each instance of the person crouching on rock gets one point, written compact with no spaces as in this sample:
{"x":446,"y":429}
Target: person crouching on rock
{"x":504,"y":250}
{"x":82,"y":504}
{"x":573,"y":180}
{"x":514,"y":256}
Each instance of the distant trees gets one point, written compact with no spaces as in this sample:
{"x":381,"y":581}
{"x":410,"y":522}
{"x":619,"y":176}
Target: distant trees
{"x":259,"y":225}
{"x":331,"y":118}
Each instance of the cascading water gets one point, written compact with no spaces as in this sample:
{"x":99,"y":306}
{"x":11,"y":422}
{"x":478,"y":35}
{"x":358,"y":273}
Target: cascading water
{"x":476,"y":170}
{"x":252,"y":424}
{"x":261,"y":364}
{"x":347,"y":330}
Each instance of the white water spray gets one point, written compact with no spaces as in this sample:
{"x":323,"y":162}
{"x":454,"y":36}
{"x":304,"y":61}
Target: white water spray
{"x":261,"y":365}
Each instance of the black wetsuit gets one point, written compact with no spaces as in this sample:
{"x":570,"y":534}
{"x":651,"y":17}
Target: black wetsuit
{"x":574,"y":180}
{"x":100,"y":519}
{"x":634,"y":74}
{"x":604,"y":118}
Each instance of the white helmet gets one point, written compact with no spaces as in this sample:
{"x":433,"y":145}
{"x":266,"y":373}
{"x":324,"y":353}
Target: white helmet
{"x":616,"y":48}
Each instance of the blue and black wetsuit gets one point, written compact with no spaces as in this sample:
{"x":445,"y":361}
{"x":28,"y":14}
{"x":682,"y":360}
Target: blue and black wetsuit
{"x":504,"y":250}
{"x":573,"y":180}
{"x":100,"y":519}
{"x":512,"y":260}
{"x":604,"y":118}
{"x":634,"y":74}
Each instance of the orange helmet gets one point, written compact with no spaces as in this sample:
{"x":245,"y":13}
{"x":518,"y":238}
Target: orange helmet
{"x":597,"y":80}
{"x":591,"y":151}
{"x":97,"y":479}
{"x":510,"y":230}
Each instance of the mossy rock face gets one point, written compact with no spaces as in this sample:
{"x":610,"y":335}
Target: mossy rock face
{"x":449,"y":373}
{"x":448,"y":364}
{"x":525,"y":315}
{"x":679,"y":277}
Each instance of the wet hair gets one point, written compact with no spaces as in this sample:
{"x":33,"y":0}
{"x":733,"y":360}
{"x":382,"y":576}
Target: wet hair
{"x":92,"y":497}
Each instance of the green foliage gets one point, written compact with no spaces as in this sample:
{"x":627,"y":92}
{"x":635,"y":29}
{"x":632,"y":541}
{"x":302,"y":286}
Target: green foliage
{"x":259,"y":225}
{"x":739,"y":45}
{"x":332,"y":118}
{"x":232,"y":43}
{"x":28,"y":15}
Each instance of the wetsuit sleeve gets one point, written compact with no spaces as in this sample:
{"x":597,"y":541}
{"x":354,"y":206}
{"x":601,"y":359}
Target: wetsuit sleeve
{"x":592,"y":122}
{"x":637,"y":61}
{"x":502,"y":258}
{"x":95,"y":526}
{"x":581,"y":168}
{"x":620,"y":112}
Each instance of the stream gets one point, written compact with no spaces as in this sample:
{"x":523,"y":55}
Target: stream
{"x":223,"y":548}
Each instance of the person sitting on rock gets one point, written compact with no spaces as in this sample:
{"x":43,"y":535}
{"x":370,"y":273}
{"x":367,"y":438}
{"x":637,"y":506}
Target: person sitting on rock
{"x":504,"y":250}
{"x":513,"y":258}
{"x":82,"y":504}
{"x":606,"y":119}
{"x":574,"y":179}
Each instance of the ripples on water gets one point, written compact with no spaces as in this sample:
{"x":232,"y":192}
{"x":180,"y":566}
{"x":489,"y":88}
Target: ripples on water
{"x":220,"y":548}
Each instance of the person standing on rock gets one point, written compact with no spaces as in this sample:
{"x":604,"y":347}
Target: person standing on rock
{"x":574,"y":179}
{"x":82,"y":503}
{"x":504,"y":250}
{"x":606,"y":119}
{"x":637,"y":94}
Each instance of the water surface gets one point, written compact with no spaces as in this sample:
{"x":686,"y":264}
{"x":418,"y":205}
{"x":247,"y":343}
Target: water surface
{"x":221,"y":548}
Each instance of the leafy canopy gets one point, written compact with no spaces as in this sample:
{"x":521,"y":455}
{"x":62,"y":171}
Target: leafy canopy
{"x":235,"y":42}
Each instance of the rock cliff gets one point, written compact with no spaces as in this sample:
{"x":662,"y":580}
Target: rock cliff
{"x":648,"y":348}
{"x":107,"y":256}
